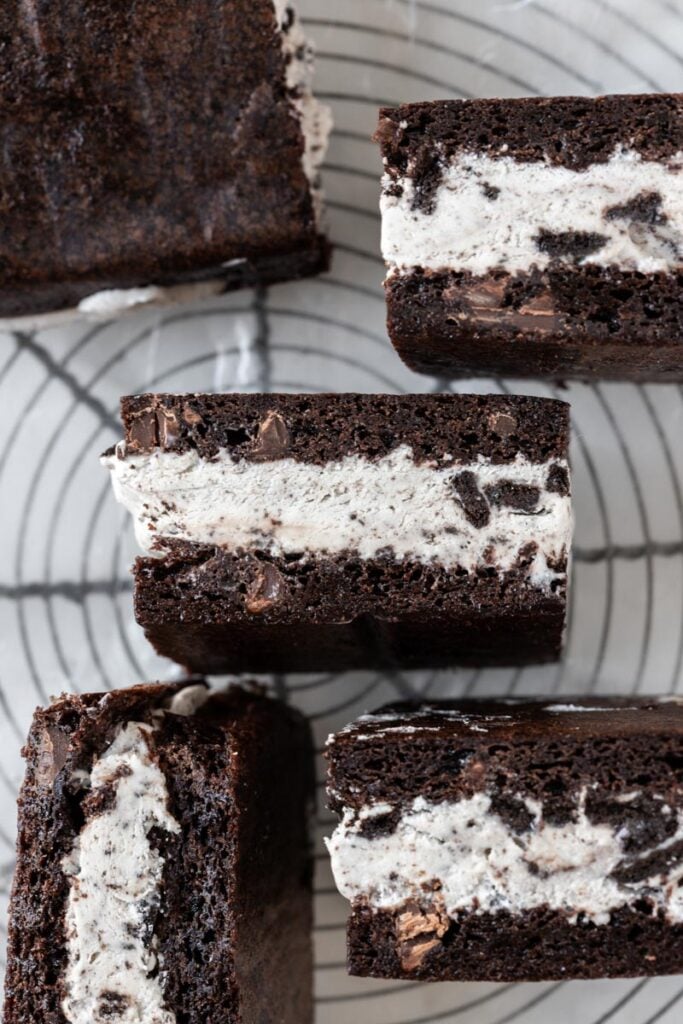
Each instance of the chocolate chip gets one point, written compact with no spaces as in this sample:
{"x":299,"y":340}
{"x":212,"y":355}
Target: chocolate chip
{"x":558,"y":480}
{"x":473,"y":502}
{"x":508,"y":494}
{"x":265,"y":590}
{"x":272,"y":441}
{"x":571,"y":245}
{"x":419,"y":931}
{"x":645,"y":208}
{"x":191,"y":417}
{"x":142,"y":431}
{"x":168,"y":428}
{"x":52,"y":753}
{"x":503,"y":424}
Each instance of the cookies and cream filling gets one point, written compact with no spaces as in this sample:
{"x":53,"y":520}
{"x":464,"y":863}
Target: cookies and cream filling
{"x":471,"y":515}
{"x":499,"y":213}
{"x":462,"y":857}
{"x":315,"y":118}
{"x":115,"y":872}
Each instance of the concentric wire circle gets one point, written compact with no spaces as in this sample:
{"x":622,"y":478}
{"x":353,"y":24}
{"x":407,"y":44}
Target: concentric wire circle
{"x":65,"y":596}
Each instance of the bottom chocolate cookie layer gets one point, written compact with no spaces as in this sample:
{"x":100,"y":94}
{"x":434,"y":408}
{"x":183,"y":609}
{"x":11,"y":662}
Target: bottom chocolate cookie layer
{"x":582,"y":322}
{"x":215,"y":611}
{"x":540,"y":945}
{"x":52,"y":297}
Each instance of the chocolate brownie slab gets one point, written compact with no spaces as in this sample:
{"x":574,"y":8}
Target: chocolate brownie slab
{"x":518,"y":840}
{"x":536,"y":237}
{"x":151,"y":144}
{"x":322,"y":532}
{"x":163,"y":863}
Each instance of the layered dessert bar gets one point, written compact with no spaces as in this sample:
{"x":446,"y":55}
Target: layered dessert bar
{"x":163,"y":862}
{"x":148,"y":146}
{"x":512,"y":841}
{"x":536,"y":237}
{"x":322,"y":532}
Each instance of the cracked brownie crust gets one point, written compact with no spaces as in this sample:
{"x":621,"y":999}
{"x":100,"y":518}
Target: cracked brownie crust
{"x":148,"y":145}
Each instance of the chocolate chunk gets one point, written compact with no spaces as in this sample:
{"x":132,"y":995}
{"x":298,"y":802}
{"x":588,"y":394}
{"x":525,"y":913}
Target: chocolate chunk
{"x":52,"y":753}
{"x":645,"y":208}
{"x":272,"y":441}
{"x":168,"y":428}
{"x":419,"y":930}
{"x":557,"y":481}
{"x":267,"y":588}
{"x":479,"y":297}
{"x":570,"y":245}
{"x":473,"y":502}
{"x":493,"y":301}
{"x":142,"y":434}
{"x":508,"y":494}
{"x":503,"y":424}
{"x":191,"y":416}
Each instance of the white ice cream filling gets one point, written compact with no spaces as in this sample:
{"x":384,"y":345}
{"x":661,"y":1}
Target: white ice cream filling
{"x":115,"y":877}
{"x":315,"y":118}
{"x":390,"y":505}
{"x":490,"y":212}
{"x":477,"y":864}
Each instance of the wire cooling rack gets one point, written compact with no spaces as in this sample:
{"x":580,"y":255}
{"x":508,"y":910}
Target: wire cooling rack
{"x":65,"y":594}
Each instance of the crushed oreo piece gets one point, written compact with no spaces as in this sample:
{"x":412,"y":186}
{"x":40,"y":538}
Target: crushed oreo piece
{"x":490,"y":191}
{"x":508,"y":494}
{"x":557,"y":481}
{"x":645,"y":208}
{"x":473,"y":502}
{"x":569,"y":245}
